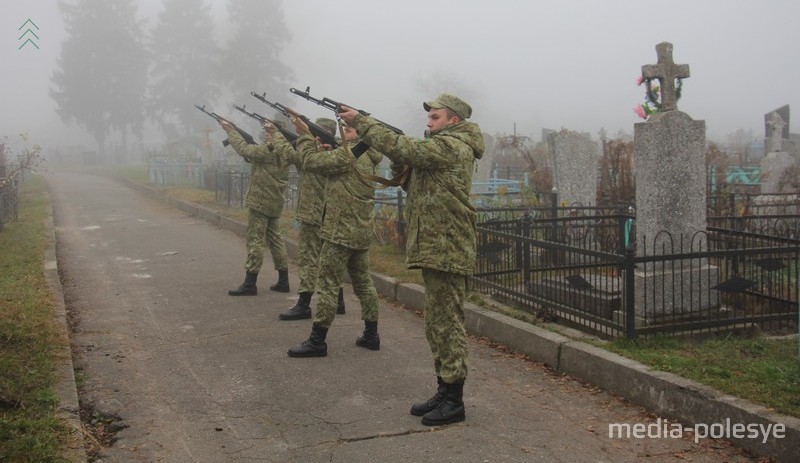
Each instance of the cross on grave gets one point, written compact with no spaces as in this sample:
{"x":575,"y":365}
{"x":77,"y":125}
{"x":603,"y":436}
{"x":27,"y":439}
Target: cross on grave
{"x":666,"y":71}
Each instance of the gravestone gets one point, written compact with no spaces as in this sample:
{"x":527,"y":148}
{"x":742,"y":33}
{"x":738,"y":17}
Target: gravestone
{"x":775,"y":163}
{"x":574,"y":161}
{"x":776,"y":125}
{"x":785,"y":114}
{"x":670,"y":174}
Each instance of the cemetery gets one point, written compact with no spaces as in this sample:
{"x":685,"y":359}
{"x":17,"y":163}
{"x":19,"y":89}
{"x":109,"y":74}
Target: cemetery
{"x":618,"y":237}
{"x":661,"y":264}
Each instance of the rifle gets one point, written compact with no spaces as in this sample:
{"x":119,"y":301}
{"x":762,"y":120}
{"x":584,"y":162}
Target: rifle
{"x":324,"y":136}
{"x":335,"y":106}
{"x":247,"y":137}
{"x":291,"y":137}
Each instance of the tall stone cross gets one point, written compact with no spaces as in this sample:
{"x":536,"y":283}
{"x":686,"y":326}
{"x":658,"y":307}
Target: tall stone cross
{"x":666,"y":71}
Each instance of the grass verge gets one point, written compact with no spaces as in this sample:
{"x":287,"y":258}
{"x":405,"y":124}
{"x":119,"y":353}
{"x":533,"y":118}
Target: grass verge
{"x":756,"y":368}
{"x":29,"y":345}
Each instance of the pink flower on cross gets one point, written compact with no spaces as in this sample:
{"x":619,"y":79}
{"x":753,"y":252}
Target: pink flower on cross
{"x":640,"y":112}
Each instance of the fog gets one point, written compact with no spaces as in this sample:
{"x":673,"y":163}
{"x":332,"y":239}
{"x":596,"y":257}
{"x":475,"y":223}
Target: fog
{"x":522,"y":65}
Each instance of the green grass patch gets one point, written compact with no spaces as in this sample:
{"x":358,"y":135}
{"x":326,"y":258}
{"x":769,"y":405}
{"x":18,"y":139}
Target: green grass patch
{"x":756,"y":368}
{"x":29,"y":345}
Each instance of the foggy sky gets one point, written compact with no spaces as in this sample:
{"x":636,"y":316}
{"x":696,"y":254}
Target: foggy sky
{"x":546,"y":64}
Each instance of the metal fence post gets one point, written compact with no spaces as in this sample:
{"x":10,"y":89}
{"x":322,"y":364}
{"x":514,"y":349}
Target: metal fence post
{"x":630,"y":306}
{"x":526,"y":250}
{"x":400,"y":223}
{"x":228,"y":186}
{"x":242,"y":189}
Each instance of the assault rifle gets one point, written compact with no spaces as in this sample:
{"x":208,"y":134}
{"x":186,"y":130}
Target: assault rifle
{"x":324,"y":136}
{"x":247,"y":137}
{"x":335,"y":106}
{"x":285,"y":132}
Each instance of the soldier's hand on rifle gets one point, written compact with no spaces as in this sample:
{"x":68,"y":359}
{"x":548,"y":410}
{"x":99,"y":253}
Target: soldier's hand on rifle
{"x":348,"y":114}
{"x":269,"y":128}
{"x":226,"y":126}
{"x":299,"y":125}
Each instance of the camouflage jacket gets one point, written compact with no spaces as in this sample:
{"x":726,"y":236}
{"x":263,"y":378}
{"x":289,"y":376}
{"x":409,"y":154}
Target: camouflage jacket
{"x":349,"y":208}
{"x":269,"y":174}
{"x":311,"y":187}
{"x":441,"y":219}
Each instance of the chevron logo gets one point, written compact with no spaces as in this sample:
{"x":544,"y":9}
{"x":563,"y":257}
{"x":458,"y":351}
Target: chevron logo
{"x":29,"y":35}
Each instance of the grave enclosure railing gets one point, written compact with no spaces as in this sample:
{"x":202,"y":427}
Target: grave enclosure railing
{"x":230,"y":187}
{"x":165,"y":171}
{"x":586,"y":272}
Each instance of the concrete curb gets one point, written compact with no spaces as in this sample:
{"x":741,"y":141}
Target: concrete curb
{"x":66,"y":389}
{"x":665,"y":394}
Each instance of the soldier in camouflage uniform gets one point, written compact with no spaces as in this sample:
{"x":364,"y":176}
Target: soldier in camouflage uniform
{"x":269,"y":172}
{"x":346,"y":234}
{"x":442,"y":234}
{"x":311,"y":198}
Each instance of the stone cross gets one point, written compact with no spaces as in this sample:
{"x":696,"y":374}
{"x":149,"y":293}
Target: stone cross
{"x":776,"y":124}
{"x":666,"y":71}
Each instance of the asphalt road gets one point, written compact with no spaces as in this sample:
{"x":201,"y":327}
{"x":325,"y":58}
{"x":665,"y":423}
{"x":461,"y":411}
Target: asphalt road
{"x":191,"y":374}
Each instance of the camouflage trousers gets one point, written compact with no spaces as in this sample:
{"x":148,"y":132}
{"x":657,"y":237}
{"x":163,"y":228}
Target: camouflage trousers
{"x":309,"y":247}
{"x":333,"y":261}
{"x":262,"y":231}
{"x":444,"y":323}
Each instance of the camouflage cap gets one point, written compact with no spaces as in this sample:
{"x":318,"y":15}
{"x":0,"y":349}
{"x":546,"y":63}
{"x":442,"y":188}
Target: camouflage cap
{"x":451,"y":102}
{"x":327,"y":124}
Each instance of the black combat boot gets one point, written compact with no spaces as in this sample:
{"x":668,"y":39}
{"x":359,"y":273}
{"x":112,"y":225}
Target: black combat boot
{"x":314,"y":346}
{"x":301,"y":310}
{"x":450,"y":409}
{"x":282,"y":286}
{"x":340,"y":306}
{"x":369,"y":340}
{"x":248,"y":288}
{"x":421,"y":408}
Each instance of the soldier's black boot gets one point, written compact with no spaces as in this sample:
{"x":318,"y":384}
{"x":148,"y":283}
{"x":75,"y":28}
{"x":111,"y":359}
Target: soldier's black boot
{"x":248,"y":288}
{"x":282,"y":286}
{"x":421,"y":408}
{"x":340,"y":306}
{"x":314,"y":346}
{"x":450,"y":409}
{"x":301,"y":310}
{"x":369,"y":340}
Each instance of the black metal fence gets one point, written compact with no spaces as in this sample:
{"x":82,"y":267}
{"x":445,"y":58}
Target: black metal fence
{"x":230,"y":187}
{"x":587,"y":272}
{"x":755,"y":204}
{"x":166,"y":171}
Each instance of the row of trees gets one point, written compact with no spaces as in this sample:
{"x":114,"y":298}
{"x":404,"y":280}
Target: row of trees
{"x":113,"y":74}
